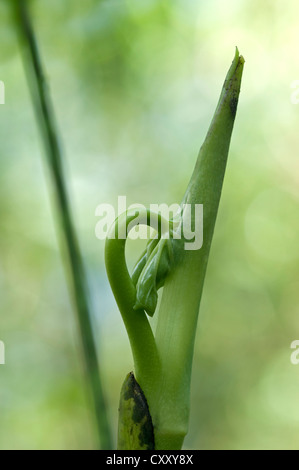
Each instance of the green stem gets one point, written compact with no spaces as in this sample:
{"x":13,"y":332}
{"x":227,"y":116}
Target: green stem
{"x":142,"y":341}
{"x":163,"y":362}
{"x":45,"y":117}
{"x":178,"y":314}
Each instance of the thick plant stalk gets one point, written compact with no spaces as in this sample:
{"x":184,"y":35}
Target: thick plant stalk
{"x":163,"y":361}
{"x":178,"y":314}
{"x":76,"y":273}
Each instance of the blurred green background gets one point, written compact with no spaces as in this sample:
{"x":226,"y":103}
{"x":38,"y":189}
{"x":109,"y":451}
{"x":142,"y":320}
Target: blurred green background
{"x":134,"y":85}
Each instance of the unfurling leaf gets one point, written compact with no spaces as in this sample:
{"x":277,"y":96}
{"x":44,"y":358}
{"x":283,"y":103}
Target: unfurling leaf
{"x":150,"y":273}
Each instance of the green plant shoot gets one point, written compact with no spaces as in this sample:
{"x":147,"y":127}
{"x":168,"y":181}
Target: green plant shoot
{"x":163,"y":361}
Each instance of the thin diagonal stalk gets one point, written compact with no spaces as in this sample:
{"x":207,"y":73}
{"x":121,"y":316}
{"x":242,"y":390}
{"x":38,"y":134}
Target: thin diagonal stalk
{"x":48,"y":127}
